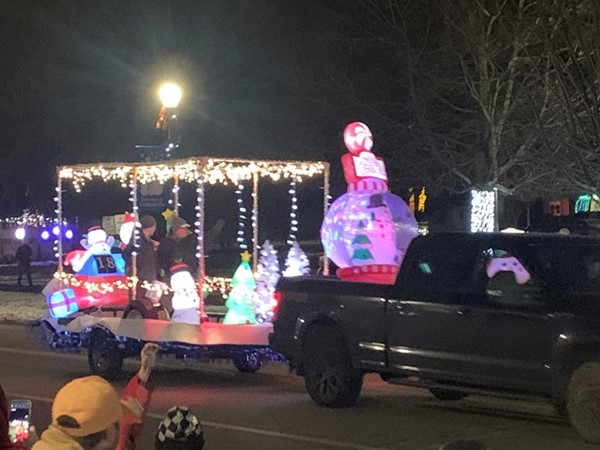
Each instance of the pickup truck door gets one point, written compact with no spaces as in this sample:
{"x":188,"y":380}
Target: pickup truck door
{"x":511,"y":330}
{"x":425,"y":320}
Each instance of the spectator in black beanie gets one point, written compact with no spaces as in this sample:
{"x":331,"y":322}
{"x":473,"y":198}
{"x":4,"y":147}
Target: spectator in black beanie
{"x":179,"y":430}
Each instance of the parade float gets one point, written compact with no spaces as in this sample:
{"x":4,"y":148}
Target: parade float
{"x":91,"y":300}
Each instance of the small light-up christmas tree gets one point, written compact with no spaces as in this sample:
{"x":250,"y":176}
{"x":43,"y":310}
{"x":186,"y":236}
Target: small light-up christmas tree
{"x":296,"y":263}
{"x":267,"y":275}
{"x":240,"y":301}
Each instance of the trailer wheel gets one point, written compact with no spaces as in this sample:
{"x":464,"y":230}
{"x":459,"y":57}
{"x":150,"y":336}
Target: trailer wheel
{"x":583,"y":401}
{"x":329,"y":377}
{"x":249,"y":363}
{"x":104,"y":357}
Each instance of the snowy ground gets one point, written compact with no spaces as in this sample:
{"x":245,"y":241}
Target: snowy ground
{"x":21,"y":306}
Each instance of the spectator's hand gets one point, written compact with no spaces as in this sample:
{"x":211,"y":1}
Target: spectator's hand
{"x":148,"y":356}
{"x":32,"y":438}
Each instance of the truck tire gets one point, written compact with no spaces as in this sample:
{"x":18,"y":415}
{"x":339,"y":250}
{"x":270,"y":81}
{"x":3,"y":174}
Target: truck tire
{"x":583,"y":401}
{"x":104,"y":357}
{"x":447,"y":394}
{"x":329,"y":377}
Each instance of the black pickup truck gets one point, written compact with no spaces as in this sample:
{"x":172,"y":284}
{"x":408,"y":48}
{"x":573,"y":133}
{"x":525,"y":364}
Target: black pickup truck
{"x":514,"y":315}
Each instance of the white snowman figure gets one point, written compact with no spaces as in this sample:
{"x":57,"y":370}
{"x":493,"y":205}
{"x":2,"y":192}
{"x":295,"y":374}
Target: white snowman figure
{"x":97,"y":259}
{"x":186,"y":300}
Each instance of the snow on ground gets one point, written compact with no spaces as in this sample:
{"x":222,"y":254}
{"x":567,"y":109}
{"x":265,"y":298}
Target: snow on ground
{"x":22,"y":306}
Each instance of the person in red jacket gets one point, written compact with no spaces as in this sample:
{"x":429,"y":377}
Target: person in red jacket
{"x":137,"y":394}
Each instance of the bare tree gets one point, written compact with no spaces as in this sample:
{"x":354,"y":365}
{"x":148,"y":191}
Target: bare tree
{"x":571,"y":34}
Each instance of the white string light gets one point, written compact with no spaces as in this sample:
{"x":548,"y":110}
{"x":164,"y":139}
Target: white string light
{"x":175,"y":200}
{"x":215,"y":171}
{"x":293,"y":213}
{"x":483,"y":210}
{"x":58,"y":241}
{"x":241,"y":233}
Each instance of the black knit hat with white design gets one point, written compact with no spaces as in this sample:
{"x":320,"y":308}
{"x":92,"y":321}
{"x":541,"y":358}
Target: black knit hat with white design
{"x":180,"y":429}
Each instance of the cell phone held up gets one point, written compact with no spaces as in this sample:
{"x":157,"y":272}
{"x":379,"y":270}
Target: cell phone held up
{"x":19,"y":420}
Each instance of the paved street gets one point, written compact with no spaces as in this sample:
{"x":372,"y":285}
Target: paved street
{"x":270,"y":410}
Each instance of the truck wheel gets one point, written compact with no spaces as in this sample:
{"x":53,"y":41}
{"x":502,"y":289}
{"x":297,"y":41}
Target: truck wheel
{"x":104,"y":357}
{"x":248,"y":363}
{"x":329,"y":376}
{"x":447,"y":394}
{"x":583,"y":401}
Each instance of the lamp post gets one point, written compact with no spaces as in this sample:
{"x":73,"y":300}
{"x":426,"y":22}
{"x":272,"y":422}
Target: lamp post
{"x":170,"y":96}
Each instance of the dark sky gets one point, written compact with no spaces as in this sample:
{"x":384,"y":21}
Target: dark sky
{"x":80,"y":81}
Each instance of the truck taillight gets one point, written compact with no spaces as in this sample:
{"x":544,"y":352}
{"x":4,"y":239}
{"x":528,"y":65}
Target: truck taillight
{"x":275,"y":302}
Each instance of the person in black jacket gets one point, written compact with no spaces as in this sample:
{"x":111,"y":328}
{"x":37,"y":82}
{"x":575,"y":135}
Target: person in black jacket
{"x":23,"y":257}
{"x":147,"y":268}
{"x":179,"y":246}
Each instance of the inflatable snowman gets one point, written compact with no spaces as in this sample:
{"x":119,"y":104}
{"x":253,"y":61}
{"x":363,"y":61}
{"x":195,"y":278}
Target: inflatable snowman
{"x":367,"y":230}
{"x":185,"y":295}
{"x":97,"y":259}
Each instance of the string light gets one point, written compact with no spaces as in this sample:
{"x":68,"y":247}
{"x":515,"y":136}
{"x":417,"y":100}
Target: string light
{"x":222,"y":285}
{"x":293,"y":214}
{"x":241,"y":233}
{"x":215,"y":171}
{"x":28,"y":219}
{"x":175,"y":200}
{"x":254,"y":221}
{"x":483,"y":210}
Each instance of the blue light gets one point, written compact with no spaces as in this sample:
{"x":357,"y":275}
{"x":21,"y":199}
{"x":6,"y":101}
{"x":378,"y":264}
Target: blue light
{"x":55,"y":230}
{"x":69,"y":234}
{"x":45,"y":235}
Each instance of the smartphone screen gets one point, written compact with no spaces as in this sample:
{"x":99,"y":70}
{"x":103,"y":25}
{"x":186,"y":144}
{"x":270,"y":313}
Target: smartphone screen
{"x":18,"y":420}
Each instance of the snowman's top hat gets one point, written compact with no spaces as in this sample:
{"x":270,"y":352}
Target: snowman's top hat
{"x":376,"y":201}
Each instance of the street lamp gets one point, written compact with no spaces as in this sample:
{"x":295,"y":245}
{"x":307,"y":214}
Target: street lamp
{"x":170,"y":95}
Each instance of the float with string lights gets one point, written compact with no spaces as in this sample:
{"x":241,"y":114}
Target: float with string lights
{"x":249,"y":339}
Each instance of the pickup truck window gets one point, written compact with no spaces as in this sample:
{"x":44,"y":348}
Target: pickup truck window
{"x":438,"y":274}
{"x":509,"y":280}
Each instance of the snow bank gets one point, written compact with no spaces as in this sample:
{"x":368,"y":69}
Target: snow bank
{"x":22,"y":306}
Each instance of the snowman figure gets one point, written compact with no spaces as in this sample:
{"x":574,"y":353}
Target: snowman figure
{"x":186,"y":300}
{"x":126,"y":230}
{"x":367,"y":230}
{"x":97,"y":258}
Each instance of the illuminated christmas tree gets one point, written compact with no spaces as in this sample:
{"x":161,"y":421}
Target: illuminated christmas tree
{"x":267,"y":275}
{"x":296,"y":263}
{"x":240,"y":308}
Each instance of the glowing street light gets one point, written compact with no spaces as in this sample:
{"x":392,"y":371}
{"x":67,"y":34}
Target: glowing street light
{"x":170,"y":95}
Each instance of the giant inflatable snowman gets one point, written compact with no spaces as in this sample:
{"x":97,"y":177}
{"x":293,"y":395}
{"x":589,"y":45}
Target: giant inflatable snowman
{"x":367,"y":230}
{"x":97,"y":259}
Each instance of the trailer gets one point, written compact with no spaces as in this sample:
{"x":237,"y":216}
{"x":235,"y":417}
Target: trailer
{"x":108,"y":341}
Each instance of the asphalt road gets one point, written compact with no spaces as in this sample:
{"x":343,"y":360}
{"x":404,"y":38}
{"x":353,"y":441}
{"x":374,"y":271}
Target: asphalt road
{"x":270,"y":409}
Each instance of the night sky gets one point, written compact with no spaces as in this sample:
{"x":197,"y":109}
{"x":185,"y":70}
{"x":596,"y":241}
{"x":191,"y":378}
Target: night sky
{"x":80,"y":84}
